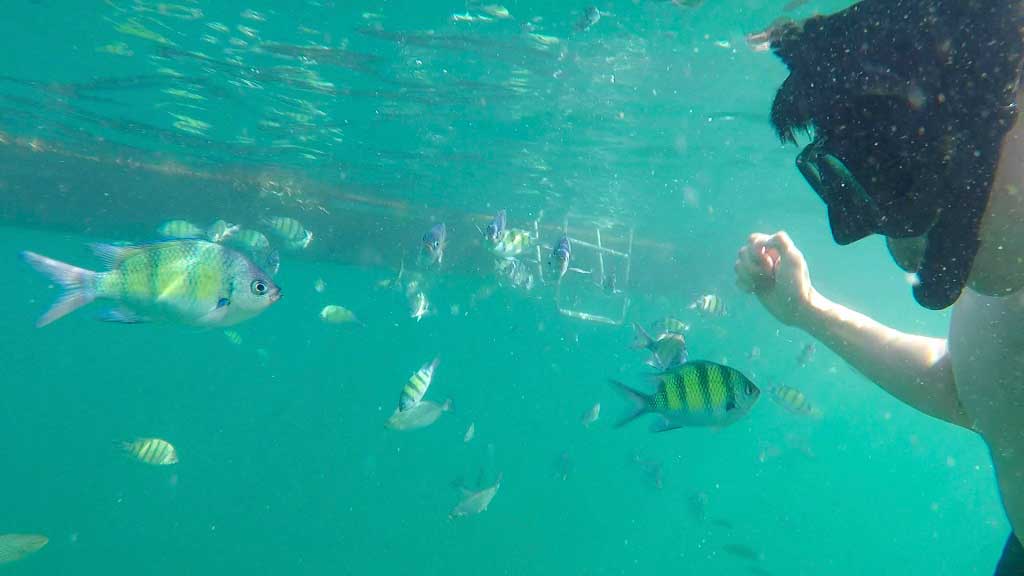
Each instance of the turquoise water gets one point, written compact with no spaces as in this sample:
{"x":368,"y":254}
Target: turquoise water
{"x":285,"y":465}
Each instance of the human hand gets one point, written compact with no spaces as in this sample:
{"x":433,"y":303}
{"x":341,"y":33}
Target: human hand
{"x":774,"y":269}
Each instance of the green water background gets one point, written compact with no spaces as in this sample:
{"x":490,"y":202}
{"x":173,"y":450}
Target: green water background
{"x":286,"y":467}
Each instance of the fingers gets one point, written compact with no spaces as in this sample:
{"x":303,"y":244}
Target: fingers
{"x":757,"y":261}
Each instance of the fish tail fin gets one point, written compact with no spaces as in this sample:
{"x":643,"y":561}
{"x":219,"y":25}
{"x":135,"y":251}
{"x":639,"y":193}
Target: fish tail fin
{"x":642,"y":338}
{"x":640,"y":403}
{"x":78,"y":283}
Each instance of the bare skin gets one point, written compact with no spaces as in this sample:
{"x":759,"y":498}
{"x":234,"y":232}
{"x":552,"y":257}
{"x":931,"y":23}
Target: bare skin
{"x":975,"y":377}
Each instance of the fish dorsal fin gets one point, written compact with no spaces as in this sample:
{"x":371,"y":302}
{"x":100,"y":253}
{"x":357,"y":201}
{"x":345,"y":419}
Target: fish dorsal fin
{"x":113,"y":255}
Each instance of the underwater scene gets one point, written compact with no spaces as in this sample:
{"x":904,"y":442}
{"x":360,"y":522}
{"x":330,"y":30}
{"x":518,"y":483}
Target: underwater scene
{"x":439,"y":287}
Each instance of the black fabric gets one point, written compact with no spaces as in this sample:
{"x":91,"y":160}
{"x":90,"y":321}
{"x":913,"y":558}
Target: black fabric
{"x":1011,"y":563}
{"x":913,"y":97}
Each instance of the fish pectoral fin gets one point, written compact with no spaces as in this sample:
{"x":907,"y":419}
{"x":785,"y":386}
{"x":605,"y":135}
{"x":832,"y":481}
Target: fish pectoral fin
{"x":122,"y":316}
{"x":664,"y":425}
{"x":217,"y":313}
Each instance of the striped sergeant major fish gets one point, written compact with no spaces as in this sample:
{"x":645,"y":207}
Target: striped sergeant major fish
{"x":710,"y":304}
{"x":417,"y":386}
{"x":795,"y":402}
{"x":698,"y":393}
{"x":152,"y":451}
{"x":194,"y":282}
{"x":294,"y":234}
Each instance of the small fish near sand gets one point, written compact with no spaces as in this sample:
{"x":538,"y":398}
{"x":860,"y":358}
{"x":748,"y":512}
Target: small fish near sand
{"x":334,"y":314}
{"x":192,"y":282}
{"x":152,"y":451}
{"x":14,"y":547}
{"x":423,"y":414}
{"x":475,"y":502}
{"x":698,"y":393}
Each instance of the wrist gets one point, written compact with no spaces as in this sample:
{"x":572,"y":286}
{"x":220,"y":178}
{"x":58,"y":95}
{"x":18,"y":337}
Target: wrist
{"x":811,"y":312}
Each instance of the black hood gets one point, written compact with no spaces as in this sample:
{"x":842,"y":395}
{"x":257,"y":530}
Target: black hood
{"x":913,"y":99}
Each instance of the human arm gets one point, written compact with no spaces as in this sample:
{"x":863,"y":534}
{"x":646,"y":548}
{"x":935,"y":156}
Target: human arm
{"x":915,"y":369}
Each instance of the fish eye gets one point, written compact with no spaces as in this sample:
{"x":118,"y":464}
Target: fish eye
{"x":259,"y":287}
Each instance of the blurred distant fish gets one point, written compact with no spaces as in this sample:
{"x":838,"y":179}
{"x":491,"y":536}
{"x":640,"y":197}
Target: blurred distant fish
{"x":806,"y":354}
{"x":189,"y":281}
{"x":470,"y":432}
{"x":417,"y":385}
{"x":591,"y":415}
{"x":610,"y":284}
{"x":709,"y":304}
{"x":653,"y":469}
{"x":794,"y":401}
{"x":698,"y":393}
{"x":434,"y":244}
{"x":755,"y":353}
{"x":294,"y":234}
{"x":396,"y":282}
{"x":220,"y":231}
{"x":564,"y":466}
{"x":17,"y":546}
{"x":152,"y":451}
{"x":670,"y":324}
{"x":180,"y":229}
{"x":334,"y":314}
{"x":495,"y":227}
{"x":743,"y":551}
{"x":420,"y":306}
{"x":497,"y":11}
{"x":256,"y":246}
{"x":320,"y":285}
{"x":423,"y":414}
{"x":233,"y":337}
{"x":511,"y":242}
{"x":560,"y":256}
{"x":698,"y":506}
{"x":668,"y":350}
{"x":475,"y":502}
{"x":591,"y":16}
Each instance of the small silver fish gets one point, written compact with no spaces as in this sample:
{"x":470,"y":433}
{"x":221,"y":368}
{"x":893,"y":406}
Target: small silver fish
{"x":334,"y":314}
{"x":420,"y":306}
{"x":470,"y":432}
{"x":591,"y":415}
{"x":475,"y":502}
{"x":591,"y":15}
{"x":434,"y":244}
{"x":423,"y":414}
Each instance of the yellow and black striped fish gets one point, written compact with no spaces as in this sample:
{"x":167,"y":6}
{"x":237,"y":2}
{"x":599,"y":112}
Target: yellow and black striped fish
{"x":710,"y":305}
{"x":417,"y":385}
{"x":698,"y":393}
{"x":794,"y":401}
{"x":153,"y":451}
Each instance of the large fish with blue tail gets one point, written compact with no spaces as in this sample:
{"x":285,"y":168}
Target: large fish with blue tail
{"x":192,"y":282}
{"x":698,"y":393}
